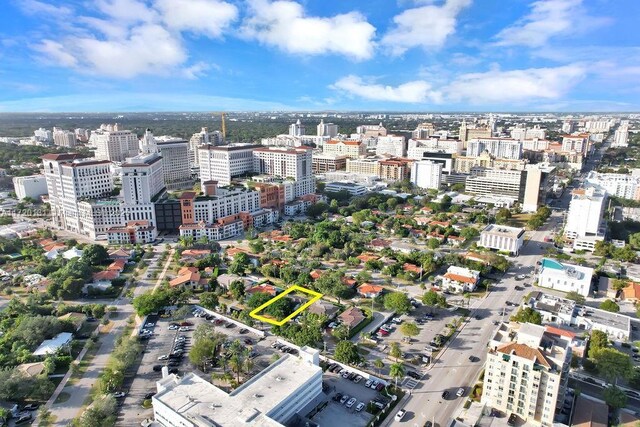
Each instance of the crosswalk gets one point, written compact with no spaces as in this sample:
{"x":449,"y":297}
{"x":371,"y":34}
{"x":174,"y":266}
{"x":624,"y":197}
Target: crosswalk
{"x":409,"y":383}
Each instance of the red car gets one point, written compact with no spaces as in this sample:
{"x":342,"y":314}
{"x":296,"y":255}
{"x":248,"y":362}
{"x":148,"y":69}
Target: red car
{"x":383,"y":332}
{"x":186,"y":324}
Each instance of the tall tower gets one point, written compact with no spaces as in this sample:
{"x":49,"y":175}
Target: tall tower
{"x":148,"y":143}
{"x":462,"y":133}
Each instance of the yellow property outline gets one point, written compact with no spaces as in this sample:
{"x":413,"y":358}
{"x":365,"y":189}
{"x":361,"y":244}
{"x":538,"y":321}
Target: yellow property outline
{"x":316,"y":297}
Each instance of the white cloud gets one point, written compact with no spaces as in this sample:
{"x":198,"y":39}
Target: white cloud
{"x":208,"y":17}
{"x":33,"y":7}
{"x":196,"y":70}
{"x":547,"y":19}
{"x":427,"y":26}
{"x":56,"y":53}
{"x":492,"y":87}
{"x":284,"y":25}
{"x":514,"y":86}
{"x":150,"y":49}
{"x":418,"y":91}
{"x":126,"y":10}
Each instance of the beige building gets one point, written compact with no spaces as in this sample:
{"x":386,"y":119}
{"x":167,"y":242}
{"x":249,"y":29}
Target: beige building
{"x":526,"y":372}
{"x":323,"y":163}
{"x":363,"y":166}
{"x":463,"y":164}
{"x":351,"y":149}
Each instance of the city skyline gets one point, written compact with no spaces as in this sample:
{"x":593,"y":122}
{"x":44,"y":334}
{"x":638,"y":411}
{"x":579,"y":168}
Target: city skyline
{"x":422,"y":55}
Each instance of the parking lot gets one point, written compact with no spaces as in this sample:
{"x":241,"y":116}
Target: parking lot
{"x":345,"y":398}
{"x":163,"y":342}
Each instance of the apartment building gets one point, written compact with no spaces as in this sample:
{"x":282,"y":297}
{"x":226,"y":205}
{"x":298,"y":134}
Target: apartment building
{"x":460,"y":279}
{"x":526,"y":372}
{"x":502,"y":238}
{"x":621,"y":137}
{"x":535,"y":144}
{"x":371,"y":130}
{"x":327,"y":129}
{"x":198,"y":139}
{"x":578,"y":143}
{"x":32,"y":186}
{"x":497,"y":147}
{"x":293,"y":163}
{"x":351,"y":149}
{"x":225,"y":162}
{"x":64,"y":138}
{"x":363,"y":166}
{"x":70,"y":180}
{"x":43,"y":135}
{"x":296,"y":129}
{"x":523,"y":133}
{"x":132,"y":233}
{"x":323,"y":163}
{"x":469,"y":131}
{"x":391,"y":145}
{"x":464,"y":164}
{"x":565,"y":277}
{"x":616,"y":184}
{"x":426,"y":174}
{"x":113,"y":144}
{"x":142,"y":184}
{"x":423,"y":131}
{"x":395,"y":169}
{"x":191,"y":401}
{"x":586,"y":224}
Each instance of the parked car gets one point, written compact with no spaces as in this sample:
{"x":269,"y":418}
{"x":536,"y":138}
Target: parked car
{"x":23,"y":418}
{"x":243,"y":331}
{"x":396,"y":320}
{"x":119,"y":394}
{"x":150,"y":395}
{"x":344,"y":398}
{"x":351,"y":402}
{"x":445,"y":394}
{"x":248,"y":341}
{"x":413,"y":375}
{"x":357,"y":379}
{"x":374,"y":385}
{"x":359,"y":407}
{"x":337,"y":397}
{"x":157,"y":368}
{"x":184,"y":329}
{"x":368,"y":383}
{"x":30,"y":407}
{"x":163,"y":357}
{"x":400,"y":415}
{"x":460,"y":392}
{"x":379,"y":387}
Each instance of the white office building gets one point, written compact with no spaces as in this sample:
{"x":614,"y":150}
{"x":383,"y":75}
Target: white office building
{"x":522,"y":133}
{"x":565,"y":277}
{"x":616,"y":184}
{"x":497,"y":147}
{"x":426,"y":174}
{"x":142,"y":184}
{"x":271,"y":398}
{"x":32,"y":186}
{"x":175,"y":162}
{"x":43,"y":135}
{"x":585,"y":222}
{"x":392,"y":145}
{"x":114,"y":145}
{"x":198,"y":139}
{"x":418,"y":148}
{"x":225,"y":162}
{"x":350,"y":187}
{"x":526,"y":373}
{"x":502,"y":238}
{"x":292,"y":163}
{"x":327,"y":129}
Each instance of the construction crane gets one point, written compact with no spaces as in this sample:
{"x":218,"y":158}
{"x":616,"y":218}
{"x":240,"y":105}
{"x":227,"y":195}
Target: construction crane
{"x":223,"y":127}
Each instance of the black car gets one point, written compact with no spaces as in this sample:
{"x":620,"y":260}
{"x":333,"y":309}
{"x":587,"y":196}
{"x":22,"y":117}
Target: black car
{"x":337,"y":397}
{"x":243,"y":331}
{"x":150,"y":395}
{"x":173,"y":371}
{"x":428,"y":424}
{"x":445,"y":394}
{"x":413,"y":375}
{"x":512,"y":420}
{"x":157,"y":368}
{"x":24,"y":418}
{"x":30,"y":407}
{"x":173,"y":363}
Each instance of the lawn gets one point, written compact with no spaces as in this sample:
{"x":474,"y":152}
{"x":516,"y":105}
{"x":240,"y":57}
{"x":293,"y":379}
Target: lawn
{"x":519,"y":220}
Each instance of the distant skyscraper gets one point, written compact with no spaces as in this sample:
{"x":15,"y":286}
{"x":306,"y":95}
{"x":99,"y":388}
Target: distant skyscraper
{"x":296,"y":129}
{"x":621,"y":136}
{"x":64,"y":138}
{"x":175,"y":162}
{"x":426,"y":174}
{"x":327,"y":129}
{"x":113,"y":144}
{"x":43,"y":135}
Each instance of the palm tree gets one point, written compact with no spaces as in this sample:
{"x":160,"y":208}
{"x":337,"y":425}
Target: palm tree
{"x":379,"y":364}
{"x":248,"y":365}
{"x":395,"y":351}
{"x":396,"y":371}
{"x":236,"y":362}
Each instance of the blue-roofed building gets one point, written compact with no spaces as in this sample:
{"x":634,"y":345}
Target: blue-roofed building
{"x":565,"y":277}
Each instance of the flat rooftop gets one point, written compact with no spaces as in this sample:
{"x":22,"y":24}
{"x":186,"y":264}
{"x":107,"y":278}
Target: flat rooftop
{"x":200,"y":401}
{"x":503,"y":230}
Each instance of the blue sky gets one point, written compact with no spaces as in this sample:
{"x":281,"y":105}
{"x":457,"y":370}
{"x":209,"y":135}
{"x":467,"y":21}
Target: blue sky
{"x":396,"y":55}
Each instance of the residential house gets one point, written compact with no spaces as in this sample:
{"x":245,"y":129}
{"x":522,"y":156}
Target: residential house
{"x":194,"y":254}
{"x":120,"y":253}
{"x":51,"y":346}
{"x":352,"y":317}
{"x":117,"y":265}
{"x":102,"y":280}
{"x":631,"y":292}
{"x":225,"y":280}
{"x":368,"y":257}
{"x":321,"y":307}
{"x":378,"y":244}
{"x":189,"y":277}
{"x":32,"y":370}
{"x":349,"y":282}
{"x":315,"y":274}
{"x":264,"y":288}
{"x":459,"y":279}
{"x":411,"y":268}
{"x":368,"y":290}
{"x":76,"y":319}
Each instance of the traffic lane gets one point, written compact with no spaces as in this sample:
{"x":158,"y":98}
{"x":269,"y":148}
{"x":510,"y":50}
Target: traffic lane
{"x":597,"y":391}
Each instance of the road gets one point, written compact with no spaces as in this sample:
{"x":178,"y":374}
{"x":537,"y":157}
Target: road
{"x":65,"y":412}
{"x":453,"y":369}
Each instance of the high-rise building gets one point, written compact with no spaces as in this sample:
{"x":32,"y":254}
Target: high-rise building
{"x":526,"y":372}
{"x":113,"y":144}
{"x":296,"y":129}
{"x":616,"y":184}
{"x":175,"y":162}
{"x":423,"y":131}
{"x":621,"y":137}
{"x":82,"y":135}
{"x":351,"y":149}
{"x":43,"y":135}
{"x":585,"y":219}
{"x":464,"y":164}
{"x":72,"y":180}
{"x":568,"y":126}
{"x":472,"y":131}
{"x":64,"y":138}
{"x":426,"y":174}
{"x":497,"y":147}
{"x":416,"y":148}
{"x":322,"y":163}
{"x":371,"y":130}
{"x":523,"y":133}
{"x":392,"y":145}
{"x":225,"y":162}
{"x":142,"y":183}
{"x":284,"y":163}
{"x":578,"y":143}
{"x":32,"y":186}
{"x":198,"y":139}
{"x":327,"y":129}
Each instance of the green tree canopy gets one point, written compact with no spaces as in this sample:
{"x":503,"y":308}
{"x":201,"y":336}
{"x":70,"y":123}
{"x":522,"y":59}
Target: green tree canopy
{"x":613,"y":364}
{"x":615,"y":397}
{"x":398,"y":302}
{"x":347,"y":352}
{"x":409,"y":329}
{"x":209,"y":300}
{"x":527,"y":315}
{"x":575,"y":296}
{"x":95,"y":254}
{"x":610,"y":305}
{"x":433,"y":299}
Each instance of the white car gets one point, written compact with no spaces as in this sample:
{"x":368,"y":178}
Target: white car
{"x":460,"y":392}
{"x":163,"y":357}
{"x":368,"y":383}
{"x":396,"y":320}
{"x":173,"y":327}
{"x":184,"y":329}
{"x":150,"y":325}
{"x":400,"y":415}
{"x":351,"y":402}
{"x":359,"y":407}
{"x":119,"y":394}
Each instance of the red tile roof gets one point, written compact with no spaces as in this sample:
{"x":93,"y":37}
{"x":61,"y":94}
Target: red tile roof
{"x":524,"y":351}
{"x":459,"y":278}
{"x":368,"y":288}
{"x":105,"y":275}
